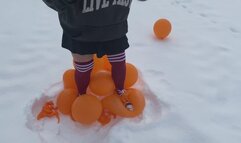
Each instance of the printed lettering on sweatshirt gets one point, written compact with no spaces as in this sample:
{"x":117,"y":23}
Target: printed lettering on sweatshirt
{"x":94,"y":5}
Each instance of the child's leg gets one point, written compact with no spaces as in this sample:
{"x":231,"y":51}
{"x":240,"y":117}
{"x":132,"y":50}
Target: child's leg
{"x":83,"y":66}
{"x":118,"y":70}
{"x":118,"y":62}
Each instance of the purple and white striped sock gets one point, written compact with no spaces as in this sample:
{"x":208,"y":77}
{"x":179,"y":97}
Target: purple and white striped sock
{"x":118,"y":62}
{"x":82,"y":75}
{"x":117,"y":57}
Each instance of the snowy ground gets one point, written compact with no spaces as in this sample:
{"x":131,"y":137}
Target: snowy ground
{"x":192,"y":79}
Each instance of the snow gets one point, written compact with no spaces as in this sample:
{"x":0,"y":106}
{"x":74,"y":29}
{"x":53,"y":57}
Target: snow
{"x":191,"y":80}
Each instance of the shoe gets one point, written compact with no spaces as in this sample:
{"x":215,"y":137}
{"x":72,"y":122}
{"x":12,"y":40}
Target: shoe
{"x":123,"y":94}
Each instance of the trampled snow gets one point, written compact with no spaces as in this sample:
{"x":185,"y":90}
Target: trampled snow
{"x":191,"y":80}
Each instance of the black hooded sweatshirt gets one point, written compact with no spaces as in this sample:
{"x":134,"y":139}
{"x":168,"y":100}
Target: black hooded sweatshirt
{"x":92,"y":20}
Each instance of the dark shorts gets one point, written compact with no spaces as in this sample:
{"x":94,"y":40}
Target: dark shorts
{"x":100,"y":48}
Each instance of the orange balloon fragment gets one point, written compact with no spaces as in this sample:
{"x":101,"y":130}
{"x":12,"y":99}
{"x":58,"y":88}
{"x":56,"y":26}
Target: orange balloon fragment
{"x":115,"y":106}
{"x":105,"y":117}
{"x":69,"y":79}
{"x":48,"y":110}
{"x":162,"y":28}
{"x":65,"y":100}
{"x":86,"y":109}
{"x":102,"y":84}
{"x":131,"y":75}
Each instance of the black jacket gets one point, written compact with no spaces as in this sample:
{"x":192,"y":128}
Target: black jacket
{"x":92,"y":20}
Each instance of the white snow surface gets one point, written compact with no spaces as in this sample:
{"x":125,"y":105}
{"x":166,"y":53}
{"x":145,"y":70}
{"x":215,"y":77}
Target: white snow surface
{"x":191,"y":81}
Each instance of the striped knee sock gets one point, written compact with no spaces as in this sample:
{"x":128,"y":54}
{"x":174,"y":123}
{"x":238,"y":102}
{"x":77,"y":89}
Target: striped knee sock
{"x":118,"y":62}
{"x":82,"y":75}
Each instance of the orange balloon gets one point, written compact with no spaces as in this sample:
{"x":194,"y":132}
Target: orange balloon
{"x":131,"y":75}
{"x":162,"y":28}
{"x":115,"y":106}
{"x":65,"y":100}
{"x":98,"y":65}
{"x":69,"y":79}
{"x":107,"y":65}
{"x":104,"y":119}
{"x":102,"y":84}
{"x":86,"y":109}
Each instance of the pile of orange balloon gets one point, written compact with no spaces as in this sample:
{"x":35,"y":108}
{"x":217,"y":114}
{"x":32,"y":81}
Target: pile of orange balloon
{"x":162,"y":28}
{"x":103,"y":104}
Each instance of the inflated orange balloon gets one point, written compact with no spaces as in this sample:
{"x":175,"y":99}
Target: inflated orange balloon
{"x":65,"y":100}
{"x":107,"y":64}
{"x":86,"y":109}
{"x":162,"y":28}
{"x":115,"y":106}
{"x":98,"y":65}
{"x":131,"y":75}
{"x":102,"y":84}
{"x":69,"y":79}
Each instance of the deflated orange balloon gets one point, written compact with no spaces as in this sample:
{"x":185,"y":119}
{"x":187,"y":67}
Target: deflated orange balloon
{"x":86,"y":109}
{"x":102,"y":84}
{"x":65,"y":100}
{"x":48,"y":110}
{"x":69,"y":79}
{"x":131,"y":75}
{"x":115,"y":106}
{"x":162,"y":28}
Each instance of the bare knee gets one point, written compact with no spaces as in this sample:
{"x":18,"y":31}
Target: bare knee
{"x":82,"y":58}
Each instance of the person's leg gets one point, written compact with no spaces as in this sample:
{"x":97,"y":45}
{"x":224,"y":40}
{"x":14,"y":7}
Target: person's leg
{"x":118,"y":63}
{"x":118,"y":69}
{"x":83,"y":65}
